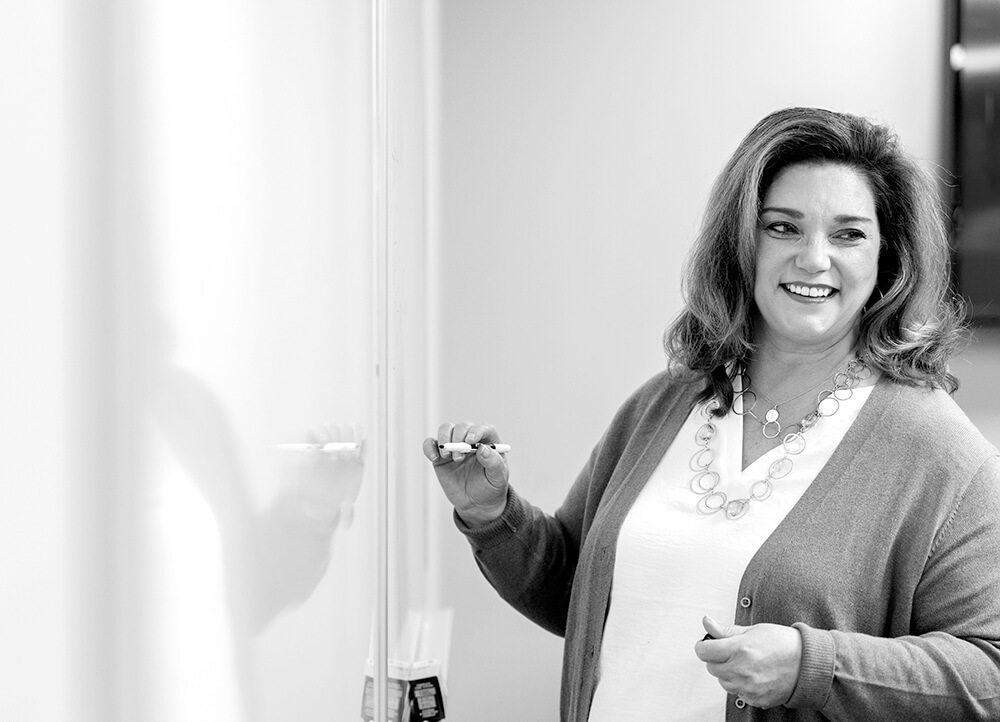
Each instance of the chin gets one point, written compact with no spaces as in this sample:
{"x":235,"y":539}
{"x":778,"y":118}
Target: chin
{"x":813,"y":337}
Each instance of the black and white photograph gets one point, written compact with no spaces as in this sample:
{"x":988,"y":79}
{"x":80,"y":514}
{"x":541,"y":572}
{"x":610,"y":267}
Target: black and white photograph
{"x":492,"y":360}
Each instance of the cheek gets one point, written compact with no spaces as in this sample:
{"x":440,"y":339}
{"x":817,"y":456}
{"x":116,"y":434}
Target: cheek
{"x":764,"y":269}
{"x":760,"y":284}
{"x":862,"y":268}
{"x":872,"y":273}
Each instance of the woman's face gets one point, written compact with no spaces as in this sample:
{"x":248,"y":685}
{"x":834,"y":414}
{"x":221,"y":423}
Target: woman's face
{"x":817,"y":255}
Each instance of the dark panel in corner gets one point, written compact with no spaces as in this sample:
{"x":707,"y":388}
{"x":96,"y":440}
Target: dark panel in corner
{"x":975,"y":61}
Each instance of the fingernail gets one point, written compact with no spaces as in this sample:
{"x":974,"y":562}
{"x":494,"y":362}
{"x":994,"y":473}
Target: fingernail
{"x":485,"y":451}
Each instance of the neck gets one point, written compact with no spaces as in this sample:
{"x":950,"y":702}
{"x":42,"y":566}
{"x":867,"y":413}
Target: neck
{"x":780,"y":371}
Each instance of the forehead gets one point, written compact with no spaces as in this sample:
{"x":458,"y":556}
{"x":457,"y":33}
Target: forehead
{"x":821,"y":187}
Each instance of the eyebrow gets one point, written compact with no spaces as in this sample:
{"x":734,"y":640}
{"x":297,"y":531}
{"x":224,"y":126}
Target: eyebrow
{"x":784,"y":211}
{"x":791,"y":212}
{"x":853,"y":219}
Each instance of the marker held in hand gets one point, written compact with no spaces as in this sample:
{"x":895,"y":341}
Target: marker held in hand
{"x":463,"y":448}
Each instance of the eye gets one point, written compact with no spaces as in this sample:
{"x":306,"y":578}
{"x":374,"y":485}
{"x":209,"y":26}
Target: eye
{"x":851,"y":235}
{"x":781,"y":228}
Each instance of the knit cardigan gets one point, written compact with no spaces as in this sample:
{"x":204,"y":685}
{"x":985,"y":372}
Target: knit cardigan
{"x":889,"y":564}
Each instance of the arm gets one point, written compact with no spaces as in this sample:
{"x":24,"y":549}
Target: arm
{"x":530,"y":557}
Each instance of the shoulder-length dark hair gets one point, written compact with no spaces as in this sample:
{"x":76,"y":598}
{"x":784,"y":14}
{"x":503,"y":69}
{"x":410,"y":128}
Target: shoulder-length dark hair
{"x":912,"y":323}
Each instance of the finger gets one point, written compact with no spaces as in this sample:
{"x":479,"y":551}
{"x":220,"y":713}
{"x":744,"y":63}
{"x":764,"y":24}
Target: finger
{"x":443,"y":437}
{"x":713,"y":651}
{"x":481,"y":433}
{"x":444,"y":432}
{"x":459,"y":433}
{"x":720,"y":648}
{"x":431,"y":451}
{"x":493,"y":465}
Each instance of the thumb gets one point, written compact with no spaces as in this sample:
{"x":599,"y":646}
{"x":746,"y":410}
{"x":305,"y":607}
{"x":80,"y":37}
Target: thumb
{"x":719,"y":630}
{"x":493,"y":465}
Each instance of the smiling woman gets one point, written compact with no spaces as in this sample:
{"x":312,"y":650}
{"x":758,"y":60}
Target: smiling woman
{"x":709,"y":507}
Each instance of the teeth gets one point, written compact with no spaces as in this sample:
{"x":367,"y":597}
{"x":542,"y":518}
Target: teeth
{"x":809,"y":291}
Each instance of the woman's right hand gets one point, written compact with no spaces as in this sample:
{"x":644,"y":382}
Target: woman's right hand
{"x":475,"y":483}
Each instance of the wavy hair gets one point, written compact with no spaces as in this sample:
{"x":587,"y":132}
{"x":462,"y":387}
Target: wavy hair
{"x":912,"y":324}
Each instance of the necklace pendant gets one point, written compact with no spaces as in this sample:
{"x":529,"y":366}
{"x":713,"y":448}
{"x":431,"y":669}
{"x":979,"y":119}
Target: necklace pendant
{"x":771,"y":415}
{"x":771,"y":430}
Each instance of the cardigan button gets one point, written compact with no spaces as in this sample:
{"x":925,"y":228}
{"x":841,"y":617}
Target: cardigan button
{"x":740,"y":704}
{"x":745,"y":602}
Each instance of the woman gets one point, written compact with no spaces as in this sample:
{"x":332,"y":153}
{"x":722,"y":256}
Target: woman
{"x":794,"y":520}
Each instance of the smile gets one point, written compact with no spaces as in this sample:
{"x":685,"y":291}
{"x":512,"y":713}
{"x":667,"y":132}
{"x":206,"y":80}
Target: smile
{"x":798,"y":289}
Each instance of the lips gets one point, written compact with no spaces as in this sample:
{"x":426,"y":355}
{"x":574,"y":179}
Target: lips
{"x":804,"y":290}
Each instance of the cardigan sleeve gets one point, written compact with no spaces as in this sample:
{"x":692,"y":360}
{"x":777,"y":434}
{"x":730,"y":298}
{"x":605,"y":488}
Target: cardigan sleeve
{"x":529,"y":556}
{"x":949,"y":667}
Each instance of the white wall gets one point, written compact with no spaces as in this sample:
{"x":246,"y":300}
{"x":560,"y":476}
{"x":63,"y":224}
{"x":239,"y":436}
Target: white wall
{"x":979,"y":395}
{"x":578,"y":144}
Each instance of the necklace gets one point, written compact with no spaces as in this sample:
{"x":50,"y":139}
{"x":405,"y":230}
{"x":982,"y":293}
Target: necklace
{"x":705,"y":480}
{"x":770,"y":422}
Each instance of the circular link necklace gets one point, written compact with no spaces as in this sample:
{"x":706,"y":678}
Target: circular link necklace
{"x":770,"y":422}
{"x":705,"y":480}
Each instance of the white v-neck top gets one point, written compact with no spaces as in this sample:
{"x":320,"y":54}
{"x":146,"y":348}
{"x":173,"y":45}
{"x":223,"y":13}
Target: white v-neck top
{"x":673,"y":565}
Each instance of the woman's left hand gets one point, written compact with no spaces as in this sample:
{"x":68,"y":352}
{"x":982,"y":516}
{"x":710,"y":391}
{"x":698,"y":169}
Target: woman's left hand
{"x":759,"y":663}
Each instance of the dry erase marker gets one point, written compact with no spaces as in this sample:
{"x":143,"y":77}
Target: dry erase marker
{"x":461,"y":448}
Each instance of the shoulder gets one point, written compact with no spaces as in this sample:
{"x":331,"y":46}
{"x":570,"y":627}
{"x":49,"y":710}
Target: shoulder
{"x":661,"y":393}
{"x":933,"y":412}
{"x":912,"y":461}
{"x":923,"y":431}
{"x":653,"y":407}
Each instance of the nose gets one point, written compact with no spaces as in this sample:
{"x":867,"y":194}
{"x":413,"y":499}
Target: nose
{"x":813,"y":255}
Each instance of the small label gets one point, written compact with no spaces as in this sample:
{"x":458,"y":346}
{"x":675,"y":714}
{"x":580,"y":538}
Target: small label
{"x":426,"y":700}
{"x":368,"y":701}
{"x":396,"y":693}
